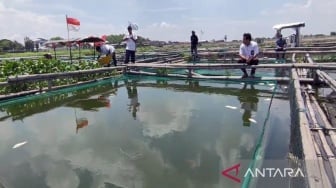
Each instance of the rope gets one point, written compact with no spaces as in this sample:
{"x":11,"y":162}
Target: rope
{"x":258,"y":149}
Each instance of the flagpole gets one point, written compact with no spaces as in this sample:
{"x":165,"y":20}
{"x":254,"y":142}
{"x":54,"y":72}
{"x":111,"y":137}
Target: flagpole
{"x":66,"y":19}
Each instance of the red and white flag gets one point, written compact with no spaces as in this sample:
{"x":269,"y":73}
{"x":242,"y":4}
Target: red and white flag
{"x":73,"y":24}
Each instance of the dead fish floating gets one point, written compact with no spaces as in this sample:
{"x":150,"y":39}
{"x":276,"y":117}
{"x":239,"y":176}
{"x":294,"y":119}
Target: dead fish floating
{"x":19,"y":144}
{"x":252,"y":120}
{"x":231,"y":107}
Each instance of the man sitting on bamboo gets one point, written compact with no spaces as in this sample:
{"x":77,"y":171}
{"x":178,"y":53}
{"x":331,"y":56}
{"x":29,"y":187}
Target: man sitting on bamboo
{"x":109,"y":51}
{"x":280,"y":47}
{"x":248,"y":53}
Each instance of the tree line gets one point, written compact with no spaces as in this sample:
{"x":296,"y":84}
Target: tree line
{"x":29,"y":45}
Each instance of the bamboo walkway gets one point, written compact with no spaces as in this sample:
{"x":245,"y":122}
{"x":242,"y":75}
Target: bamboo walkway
{"x":318,"y":138}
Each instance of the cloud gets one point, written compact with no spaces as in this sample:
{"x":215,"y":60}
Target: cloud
{"x":318,"y":15}
{"x":45,"y":19}
{"x":171,"y":9}
{"x":176,"y":118}
{"x":163,"y":25}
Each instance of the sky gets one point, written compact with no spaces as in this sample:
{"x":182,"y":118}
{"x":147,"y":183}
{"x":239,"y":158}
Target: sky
{"x":168,"y":20}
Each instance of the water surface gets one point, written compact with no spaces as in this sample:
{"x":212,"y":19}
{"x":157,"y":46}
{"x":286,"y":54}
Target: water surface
{"x":139,"y":132}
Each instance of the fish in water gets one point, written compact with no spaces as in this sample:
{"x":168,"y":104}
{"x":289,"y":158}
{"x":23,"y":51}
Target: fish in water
{"x":252,"y":120}
{"x":19,"y":144}
{"x":231,"y":107}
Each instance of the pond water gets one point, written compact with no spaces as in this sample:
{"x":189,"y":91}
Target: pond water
{"x":141,"y":132}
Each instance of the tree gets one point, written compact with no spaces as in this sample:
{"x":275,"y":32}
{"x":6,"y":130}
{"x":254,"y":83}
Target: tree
{"x":56,"y":38}
{"x":8,"y":45}
{"x":117,"y":39}
{"x":29,"y":44}
{"x":333,"y":33}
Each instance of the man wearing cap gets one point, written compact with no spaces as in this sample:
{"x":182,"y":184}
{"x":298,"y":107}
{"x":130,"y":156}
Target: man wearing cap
{"x":130,"y":40}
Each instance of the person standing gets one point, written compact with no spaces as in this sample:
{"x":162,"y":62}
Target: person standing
{"x":130,"y":40}
{"x":248,"y":53}
{"x":107,"y":50}
{"x":281,"y":45}
{"x":194,"y":43}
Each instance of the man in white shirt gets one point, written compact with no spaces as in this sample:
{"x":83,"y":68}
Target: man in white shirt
{"x":130,"y":39}
{"x":107,"y":50}
{"x":248,"y":53}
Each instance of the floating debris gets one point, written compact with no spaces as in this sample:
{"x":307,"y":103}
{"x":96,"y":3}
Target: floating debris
{"x":267,"y":99}
{"x":252,"y":120}
{"x":19,"y":144}
{"x":271,"y":84}
{"x":131,"y":157}
{"x":231,"y":107}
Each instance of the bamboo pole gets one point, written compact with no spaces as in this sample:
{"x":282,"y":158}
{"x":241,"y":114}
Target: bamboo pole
{"x":24,"y":93}
{"x":328,"y":147}
{"x":313,"y":167}
{"x":315,"y":124}
{"x":327,"y":79}
{"x":231,"y":66}
{"x":325,"y":121}
{"x":36,"y":77}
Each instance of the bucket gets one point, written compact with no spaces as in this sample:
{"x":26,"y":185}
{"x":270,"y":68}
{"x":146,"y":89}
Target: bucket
{"x":105,"y":60}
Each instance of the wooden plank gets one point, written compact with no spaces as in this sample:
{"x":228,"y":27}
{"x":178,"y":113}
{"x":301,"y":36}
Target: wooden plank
{"x":34,"y":77}
{"x":329,"y":80}
{"x":325,"y":120}
{"x":325,"y":180}
{"x":2,"y":84}
{"x":228,"y":78}
{"x":333,"y":166}
{"x":31,"y":92}
{"x":231,"y":66}
{"x":313,"y":168}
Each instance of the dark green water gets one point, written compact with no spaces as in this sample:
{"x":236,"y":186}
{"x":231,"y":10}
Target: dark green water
{"x":144,"y":133}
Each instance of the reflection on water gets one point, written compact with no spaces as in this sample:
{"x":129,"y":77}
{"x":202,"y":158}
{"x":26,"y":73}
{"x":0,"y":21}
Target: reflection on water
{"x":248,"y":99}
{"x":132,"y":94}
{"x":98,"y":136}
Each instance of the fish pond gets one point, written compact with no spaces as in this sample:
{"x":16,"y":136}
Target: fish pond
{"x":143,"y":132}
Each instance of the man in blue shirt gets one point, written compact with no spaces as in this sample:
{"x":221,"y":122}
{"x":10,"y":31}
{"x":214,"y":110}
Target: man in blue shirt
{"x":281,"y":45}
